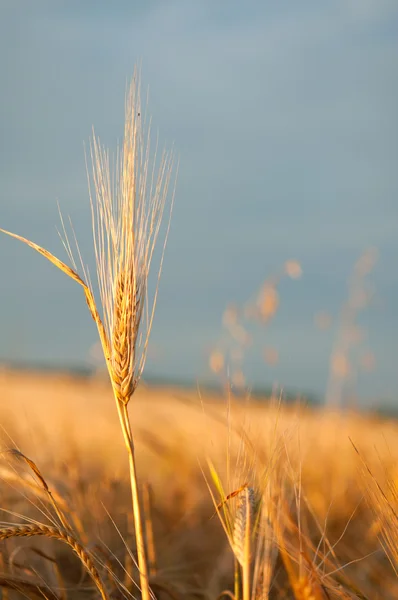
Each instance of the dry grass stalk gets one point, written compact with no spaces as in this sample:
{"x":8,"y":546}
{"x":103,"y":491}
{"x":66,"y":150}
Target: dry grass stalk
{"x":64,"y":536}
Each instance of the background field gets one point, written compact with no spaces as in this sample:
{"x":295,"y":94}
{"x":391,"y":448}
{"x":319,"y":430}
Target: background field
{"x":69,"y":427}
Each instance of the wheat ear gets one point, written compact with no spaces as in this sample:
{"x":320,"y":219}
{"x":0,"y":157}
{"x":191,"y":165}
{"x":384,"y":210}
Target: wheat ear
{"x":244,"y":528}
{"x":64,"y":536}
{"x":244,"y":524}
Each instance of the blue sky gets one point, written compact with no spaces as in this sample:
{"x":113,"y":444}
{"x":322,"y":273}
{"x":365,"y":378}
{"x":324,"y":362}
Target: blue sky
{"x":285,"y":122}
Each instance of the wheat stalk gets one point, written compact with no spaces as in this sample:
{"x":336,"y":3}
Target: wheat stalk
{"x":126,"y":213}
{"x":64,"y":536}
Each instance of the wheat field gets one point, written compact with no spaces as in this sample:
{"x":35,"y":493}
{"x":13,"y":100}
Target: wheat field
{"x":326,"y":537}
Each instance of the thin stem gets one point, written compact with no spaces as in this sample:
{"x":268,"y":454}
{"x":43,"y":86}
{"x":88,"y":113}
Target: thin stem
{"x":237,"y":579}
{"x":150,"y":540}
{"x":247,"y":548}
{"x":139,"y":532}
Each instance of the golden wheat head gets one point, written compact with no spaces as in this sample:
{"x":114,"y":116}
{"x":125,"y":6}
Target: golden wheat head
{"x":127,"y":214}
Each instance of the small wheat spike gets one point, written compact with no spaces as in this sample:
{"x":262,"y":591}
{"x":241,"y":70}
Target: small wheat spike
{"x":64,"y":536}
{"x":244,"y":523}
